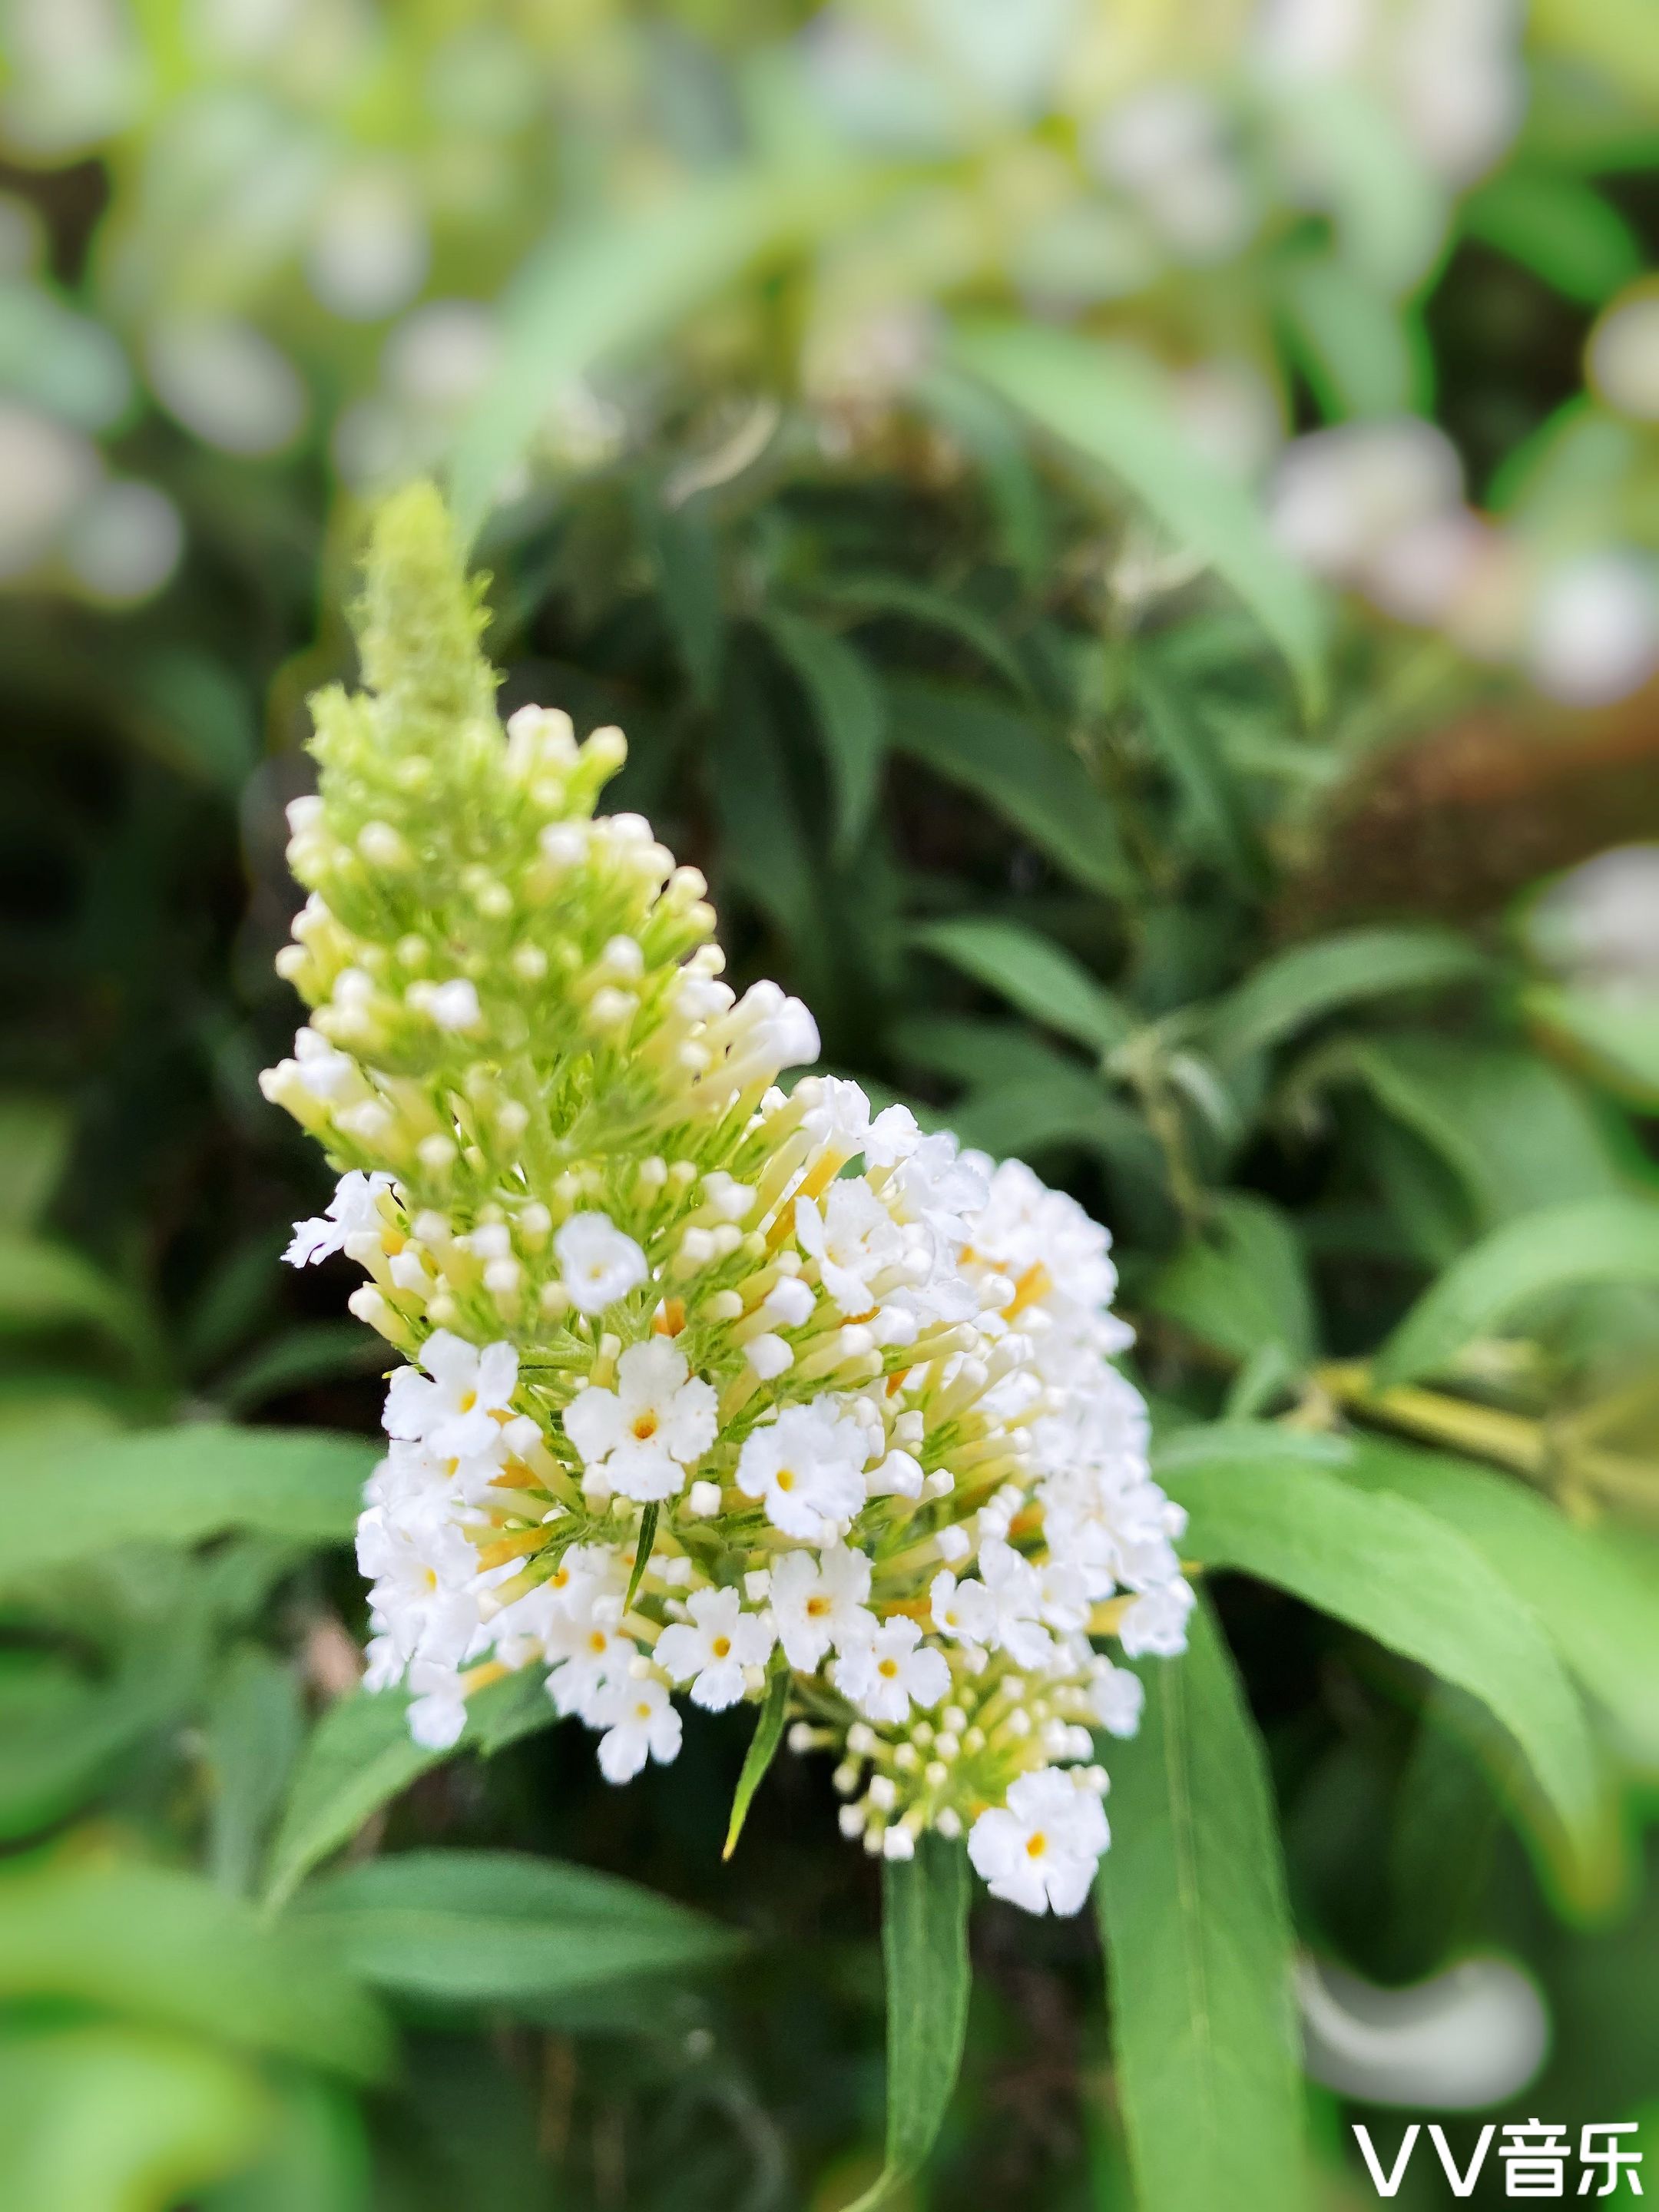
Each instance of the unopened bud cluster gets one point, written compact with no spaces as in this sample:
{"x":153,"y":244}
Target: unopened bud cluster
{"x":705,"y":1383}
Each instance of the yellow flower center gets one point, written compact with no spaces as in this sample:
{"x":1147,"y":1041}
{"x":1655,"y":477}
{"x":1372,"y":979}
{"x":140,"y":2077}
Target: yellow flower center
{"x":1036,"y":1846}
{"x":888,"y":1666}
{"x":596,"y":1640}
{"x":469,"y":1399}
{"x":816,"y":1607}
{"x":721,"y":1647}
{"x":645,"y":1427}
{"x":786,"y":1478}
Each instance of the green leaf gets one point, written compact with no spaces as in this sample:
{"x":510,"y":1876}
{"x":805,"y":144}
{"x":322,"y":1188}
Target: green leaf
{"x":315,"y":2159}
{"x":686,"y":556}
{"x":169,"y":1949}
{"x":1406,"y":1579}
{"x":1516,"y":1132}
{"x":1353,"y":343}
{"x":1242,"y":1286}
{"x":1035,"y":974}
{"x":1558,"y":227}
{"x":763,"y":1749}
{"x":1614,"y":1036}
{"x":924,"y":1941}
{"x":616,"y":280}
{"x":361,"y":1755}
{"x":1011,"y":1120}
{"x":176,"y":1486}
{"x":851,"y":710}
{"x":35,"y":1142}
{"x":47,"y":1285}
{"x":766,"y":850}
{"x":102,"y":2119}
{"x":874,"y":594}
{"x":253,"y":1730}
{"x":315,"y":1351}
{"x":64,"y":1735}
{"x":1178,"y":728}
{"x":989,"y":433}
{"x":1590,"y":1592}
{"x":648,"y":1537}
{"x":490,"y":1927}
{"x":1559,"y":1247}
{"x":1005,"y":758}
{"x":1113,"y":408}
{"x":1307,"y":982}
{"x":1193,"y":1911}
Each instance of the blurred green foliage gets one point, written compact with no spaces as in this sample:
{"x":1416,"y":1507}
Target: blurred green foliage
{"x":1008,"y":735}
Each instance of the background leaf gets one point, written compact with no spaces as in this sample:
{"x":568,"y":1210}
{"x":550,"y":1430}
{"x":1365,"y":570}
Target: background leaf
{"x":177,"y":1487}
{"x":1035,"y":974}
{"x":1557,"y":1248}
{"x":1110,"y":407}
{"x":499,"y":1926}
{"x":1410,"y":1581}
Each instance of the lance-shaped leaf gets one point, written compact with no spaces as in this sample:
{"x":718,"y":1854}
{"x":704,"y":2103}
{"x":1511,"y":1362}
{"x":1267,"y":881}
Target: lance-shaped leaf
{"x":490,"y":1927}
{"x":850,"y":707}
{"x":1004,"y":758}
{"x":924,"y":1943}
{"x":360,"y":1756}
{"x":1110,"y":406}
{"x":1411,"y":1581}
{"x":1308,"y":981}
{"x":176,"y":1486}
{"x":763,"y":1749}
{"x":167,"y":1947}
{"x":1034,"y":974}
{"x":1192,"y":1905}
{"x":1559,"y":1247}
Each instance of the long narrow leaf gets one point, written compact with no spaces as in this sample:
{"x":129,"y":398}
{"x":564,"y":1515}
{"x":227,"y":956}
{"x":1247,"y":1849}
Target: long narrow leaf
{"x":924,"y":1941}
{"x":1032,"y":973}
{"x":1197,"y":1930}
{"x":763,"y":1749}
{"x":177,"y":1487}
{"x":1110,"y":407}
{"x":1308,"y":981}
{"x":1559,"y":1248}
{"x":1411,"y":1581}
{"x":1004,"y":758}
{"x":851,"y":710}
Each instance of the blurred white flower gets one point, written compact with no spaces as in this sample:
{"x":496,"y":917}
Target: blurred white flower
{"x":369,"y":251}
{"x":45,"y":472}
{"x":1623,"y":354}
{"x":124,"y":543}
{"x":1594,"y":631}
{"x":227,"y":384}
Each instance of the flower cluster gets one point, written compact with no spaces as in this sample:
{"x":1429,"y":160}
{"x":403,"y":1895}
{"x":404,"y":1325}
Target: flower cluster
{"x":710,"y":1388}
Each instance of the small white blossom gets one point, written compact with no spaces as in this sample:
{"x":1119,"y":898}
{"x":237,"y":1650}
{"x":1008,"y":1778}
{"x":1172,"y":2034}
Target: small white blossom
{"x":1116,"y":1697}
{"x":713,"y":1648}
{"x":598,"y":1264}
{"x":965,"y":1611}
{"x":807,"y":1467}
{"x":452,"y":1407}
{"x":896,"y":1669}
{"x":1155,"y":1626}
{"x":640,"y":1724}
{"x":640,"y":1437}
{"x":437,"y":1715}
{"x":455,"y":1005}
{"x":854,"y":1239}
{"x":351,"y":1212}
{"x":1040,"y":1850}
{"x":818,"y":1604}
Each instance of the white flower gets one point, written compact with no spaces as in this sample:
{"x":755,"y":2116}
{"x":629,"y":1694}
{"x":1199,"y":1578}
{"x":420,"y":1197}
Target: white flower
{"x":640,"y":1724}
{"x":599,"y":1265}
{"x":1156,"y":1624}
{"x":588,"y":1652}
{"x":1041,"y":1849}
{"x":351,"y":1212}
{"x":940,"y":1187}
{"x":819,"y":1602}
{"x":965,"y":1611}
{"x":1116,"y":1697}
{"x":714,"y":1647}
{"x":854,"y":1239}
{"x":455,"y":1005}
{"x":438,"y":1714}
{"x":807,"y":1466}
{"x":326,"y":1073}
{"x":1015,"y":1589}
{"x":884,"y":1677}
{"x":898,"y":1475}
{"x":451,"y":1407}
{"x":641,"y":1437}
{"x":420,"y":1571}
